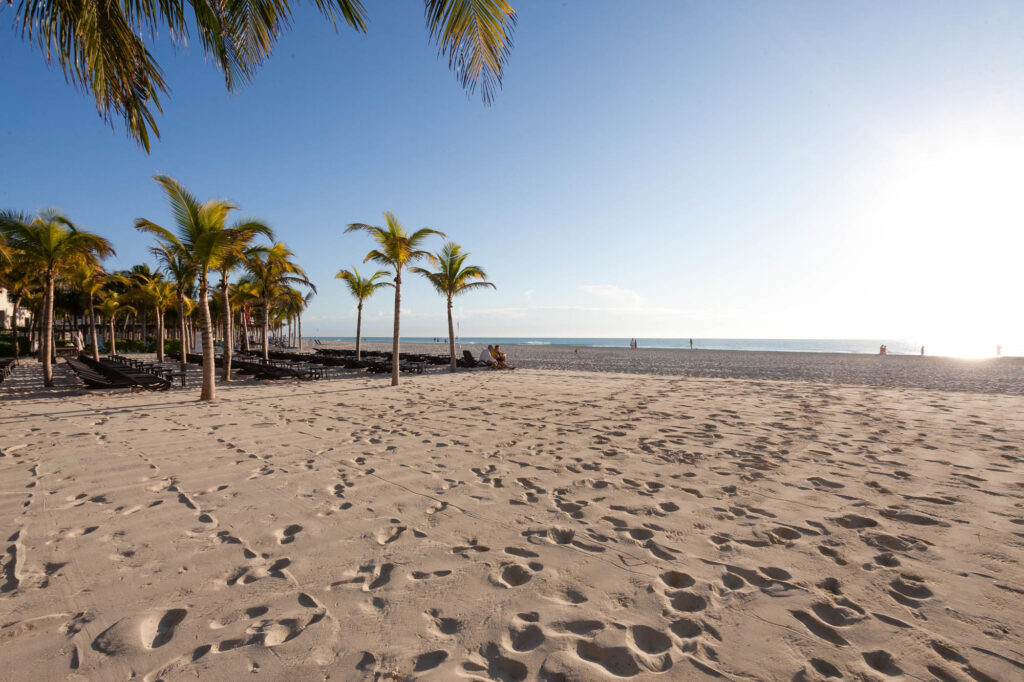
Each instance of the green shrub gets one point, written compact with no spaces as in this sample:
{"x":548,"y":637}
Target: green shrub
{"x":7,"y":346}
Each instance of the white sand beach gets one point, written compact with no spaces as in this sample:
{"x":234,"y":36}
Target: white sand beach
{"x":536,"y":524}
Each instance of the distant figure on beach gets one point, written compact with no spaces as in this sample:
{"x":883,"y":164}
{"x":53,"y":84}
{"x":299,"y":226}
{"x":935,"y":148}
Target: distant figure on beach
{"x":922,"y":351}
{"x":79,"y":341}
{"x":999,"y":351}
{"x":691,"y":344}
{"x":882,"y":349}
{"x":487,"y":356}
{"x":500,"y":359}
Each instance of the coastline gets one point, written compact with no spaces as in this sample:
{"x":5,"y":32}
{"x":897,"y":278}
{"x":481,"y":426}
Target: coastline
{"x":992,"y":375}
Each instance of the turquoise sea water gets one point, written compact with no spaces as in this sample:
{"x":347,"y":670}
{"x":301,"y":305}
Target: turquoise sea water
{"x":895,"y":347}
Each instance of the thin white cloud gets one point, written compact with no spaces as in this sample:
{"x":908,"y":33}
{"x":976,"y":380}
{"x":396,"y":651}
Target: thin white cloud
{"x":613,"y":294}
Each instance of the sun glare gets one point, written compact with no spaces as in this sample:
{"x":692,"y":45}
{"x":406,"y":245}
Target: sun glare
{"x":936,"y":232}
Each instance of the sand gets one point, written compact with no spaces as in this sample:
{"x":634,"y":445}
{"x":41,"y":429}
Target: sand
{"x":536,"y":524}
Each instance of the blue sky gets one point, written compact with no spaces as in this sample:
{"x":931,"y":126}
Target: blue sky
{"x":654,"y":169}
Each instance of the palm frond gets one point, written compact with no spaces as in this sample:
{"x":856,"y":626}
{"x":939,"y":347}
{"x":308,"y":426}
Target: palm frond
{"x":476,"y":36}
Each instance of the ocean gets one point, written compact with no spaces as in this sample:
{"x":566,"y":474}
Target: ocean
{"x":870,"y":346}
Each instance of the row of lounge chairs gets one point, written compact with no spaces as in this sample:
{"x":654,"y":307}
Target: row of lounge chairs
{"x":113,"y":373}
{"x":277,"y":368}
{"x":380,"y":361}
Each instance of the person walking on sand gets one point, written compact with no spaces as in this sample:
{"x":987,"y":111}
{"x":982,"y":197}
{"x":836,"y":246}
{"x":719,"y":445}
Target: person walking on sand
{"x":922,"y":351}
{"x":691,"y":344}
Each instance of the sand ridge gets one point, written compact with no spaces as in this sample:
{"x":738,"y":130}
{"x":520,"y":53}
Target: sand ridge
{"x":535,"y":524}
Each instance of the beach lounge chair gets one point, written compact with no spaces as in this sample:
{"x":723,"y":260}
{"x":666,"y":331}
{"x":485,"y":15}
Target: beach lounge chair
{"x":94,"y":378}
{"x":469,"y":360}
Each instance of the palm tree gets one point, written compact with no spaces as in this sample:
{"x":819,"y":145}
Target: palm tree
{"x":159,"y":294}
{"x":51,"y":243}
{"x":203,"y":239}
{"x":362,"y":288}
{"x":398,"y":249}
{"x":453,"y":278}
{"x":20,"y":279}
{"x":234,"y":256}
{"x":244,"y":294}
{"x":109,"y":307}
{"x":270,"y":270}
{"x":181,"y":273}
{"x":92,"y":280}
{"x":100,"y":48}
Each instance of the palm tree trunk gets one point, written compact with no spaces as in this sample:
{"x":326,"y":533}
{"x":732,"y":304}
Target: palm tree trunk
{"x":46,"y":347}
{"x":184,"y":337}
{"x":359,"y":326}
{"x":92,"y":329}
{"x":451,"y":334}
{"x":209,"y":391}
{"x":300,"y":332}
{"x":14,"y":328}
{"x":229,"y":340}
{"x":245,"y":328}
{"x":394,"y":341}
{"x":159,"y":335}
{"x":266,"y":330}
{"x":113,"y":344}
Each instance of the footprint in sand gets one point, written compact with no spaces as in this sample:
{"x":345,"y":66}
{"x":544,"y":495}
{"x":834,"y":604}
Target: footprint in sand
{"x":430,"y":660}
{"x":882,"y":661}
{"x":495,"y":665}
{"x":287,"y":534}
{"x":677,"y":580}
{"x":158,"y":629}
{"x":616,"y":660}
{"x":909,"y":590}
{"x":446,"y":626}
{"x":525,"y":637}
{"x":389,"y":534}
{"x":425,"y":575}
{"x":819,"y":629}
{"x":514,"y":575}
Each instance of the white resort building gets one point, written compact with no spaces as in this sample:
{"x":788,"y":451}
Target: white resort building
{"x":7,"y":311}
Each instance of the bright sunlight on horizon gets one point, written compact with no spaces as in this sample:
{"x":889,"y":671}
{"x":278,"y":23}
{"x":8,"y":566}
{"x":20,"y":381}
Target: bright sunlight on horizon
{"x":933,"y":235}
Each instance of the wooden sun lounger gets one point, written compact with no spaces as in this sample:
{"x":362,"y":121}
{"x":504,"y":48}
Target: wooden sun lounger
{"x":93,"y":378}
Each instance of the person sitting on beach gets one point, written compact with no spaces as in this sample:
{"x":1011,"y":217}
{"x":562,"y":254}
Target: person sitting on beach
{"x":500,"y":359}
{"x":487,"y":357}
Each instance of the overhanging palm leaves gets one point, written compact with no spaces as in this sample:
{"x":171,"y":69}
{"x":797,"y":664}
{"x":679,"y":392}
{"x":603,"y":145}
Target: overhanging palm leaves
{"x":453,"y":278}
{"x":99,"y":48}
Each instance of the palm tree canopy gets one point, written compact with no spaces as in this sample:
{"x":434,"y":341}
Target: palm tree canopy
{"x":175,"y":265}
{"x":271,"y":267}
{"x":50,"y":241}
{"x":201,"y":234}
{"x":100,"y":49}
{"x":111,"y":306}
{"x":397,"y":247}
{"x":453,"y":277}
{"x":363,"y":287}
